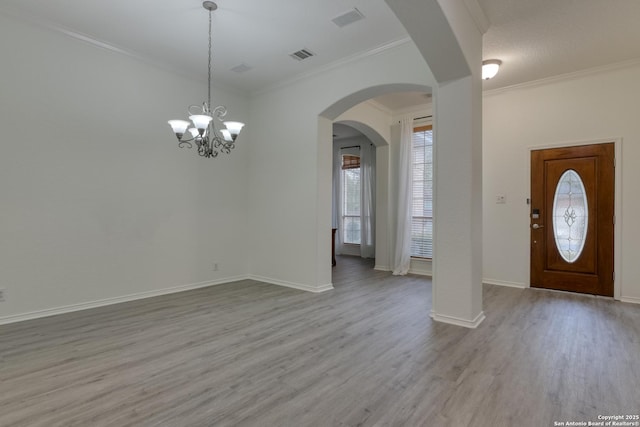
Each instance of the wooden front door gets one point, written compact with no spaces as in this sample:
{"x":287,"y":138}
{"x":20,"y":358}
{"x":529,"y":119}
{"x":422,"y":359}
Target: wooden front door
{"x":572,"y":218}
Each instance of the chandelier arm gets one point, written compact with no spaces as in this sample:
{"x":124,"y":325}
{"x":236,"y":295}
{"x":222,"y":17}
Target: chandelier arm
{"x":188,"y":140}
{"x":223,"y":145}
{"x":219,"y":112}
{"x":199,"y":109}
{"x":185,"y":144}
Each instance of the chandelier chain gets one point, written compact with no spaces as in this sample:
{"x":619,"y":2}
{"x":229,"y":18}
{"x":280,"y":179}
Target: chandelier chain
{"x":209,"y":75}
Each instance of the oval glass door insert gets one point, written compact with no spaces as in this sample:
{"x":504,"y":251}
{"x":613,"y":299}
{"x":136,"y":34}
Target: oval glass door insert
{"x":570,"y":216}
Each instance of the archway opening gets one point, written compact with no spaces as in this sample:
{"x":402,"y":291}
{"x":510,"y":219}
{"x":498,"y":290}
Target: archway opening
{"x":375,"y":124}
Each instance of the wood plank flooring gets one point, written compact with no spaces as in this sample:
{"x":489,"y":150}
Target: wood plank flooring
{"x":364,"y":354}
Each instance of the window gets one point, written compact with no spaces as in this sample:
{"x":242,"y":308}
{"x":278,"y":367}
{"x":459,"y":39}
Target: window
{"x":422,"y":209}
{"x":570,"y":216}
{"x":351,"y":199}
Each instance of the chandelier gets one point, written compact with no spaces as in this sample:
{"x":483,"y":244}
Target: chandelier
{"x":202,"y":130}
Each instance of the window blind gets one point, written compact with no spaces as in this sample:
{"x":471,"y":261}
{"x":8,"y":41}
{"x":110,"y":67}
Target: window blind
{"x":422,"y":208}
{"x":351,"y":190}
{"x":350,"y":162}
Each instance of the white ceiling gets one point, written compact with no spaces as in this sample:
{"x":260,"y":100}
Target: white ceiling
{"x":260,"y":34}
{"x":342,"y":131}
{"x":534,"y":39}
{"x":403,"y":100}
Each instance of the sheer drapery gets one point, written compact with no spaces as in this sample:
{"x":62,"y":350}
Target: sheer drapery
{"x":336,"y":212}
{"x":367,"y":200}
{"x":402,"y":255}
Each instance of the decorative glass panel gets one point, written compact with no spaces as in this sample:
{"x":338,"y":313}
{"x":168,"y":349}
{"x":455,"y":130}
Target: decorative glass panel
{"x":570,"y":216}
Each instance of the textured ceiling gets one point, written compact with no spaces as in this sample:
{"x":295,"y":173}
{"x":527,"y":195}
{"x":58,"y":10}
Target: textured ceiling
{"x":534,"y":38}
{"x":544,"y":38}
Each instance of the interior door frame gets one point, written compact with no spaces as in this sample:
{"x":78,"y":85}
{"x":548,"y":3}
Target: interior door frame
{"x":617,"y":228}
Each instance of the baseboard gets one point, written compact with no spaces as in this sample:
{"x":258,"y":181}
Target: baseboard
{"x":452,"y":320}
{"x":115,"y":300}
{"x":504,"y":283}
{"x":632,"y":300}
{"x":421,"y":266}
{"x":420,"y":272}
{"x":299,"y":286}
{"x":412,"y":270}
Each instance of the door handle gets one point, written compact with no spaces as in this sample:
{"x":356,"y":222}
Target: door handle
{"x":536,"y":226}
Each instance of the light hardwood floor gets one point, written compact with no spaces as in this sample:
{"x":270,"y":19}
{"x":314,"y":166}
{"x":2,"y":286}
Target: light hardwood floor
{"x":364,"y":354}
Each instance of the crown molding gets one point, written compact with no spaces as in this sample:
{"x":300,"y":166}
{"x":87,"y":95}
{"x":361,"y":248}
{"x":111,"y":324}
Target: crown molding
{"x":333,"y":65}
{"x":415,"y":111}
{"x":49,"y":25}
{"x":61,"y":29}
{"x":378,"y":106}
{"x":563,"y":77}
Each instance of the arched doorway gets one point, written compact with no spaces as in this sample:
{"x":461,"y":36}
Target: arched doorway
{"x":355,"y":192}
{"x":377,"y":129}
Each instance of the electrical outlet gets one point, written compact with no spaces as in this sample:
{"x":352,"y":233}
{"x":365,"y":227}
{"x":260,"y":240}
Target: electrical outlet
{"x":215,"y":266}
{"x":3,"y":294}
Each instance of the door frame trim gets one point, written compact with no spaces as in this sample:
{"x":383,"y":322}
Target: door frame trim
{"x":617,"y":228}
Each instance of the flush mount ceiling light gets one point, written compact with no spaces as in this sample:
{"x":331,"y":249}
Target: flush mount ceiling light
{"x":202,"y":129}
{"x":490,"y":68}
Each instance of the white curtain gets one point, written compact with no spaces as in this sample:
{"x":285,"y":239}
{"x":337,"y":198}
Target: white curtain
{"x":402,"y":255}
{"x":336,"y":212}
{"x":367,"y":200}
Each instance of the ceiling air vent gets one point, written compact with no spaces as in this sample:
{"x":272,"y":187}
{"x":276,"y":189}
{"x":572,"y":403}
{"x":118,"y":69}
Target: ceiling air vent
{"x":302,"y":54}
{"x":348,"y":18}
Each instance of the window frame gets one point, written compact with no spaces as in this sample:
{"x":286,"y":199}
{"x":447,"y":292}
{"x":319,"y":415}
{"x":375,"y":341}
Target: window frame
{"x":344,"y":168}
{"x":416,"y":129}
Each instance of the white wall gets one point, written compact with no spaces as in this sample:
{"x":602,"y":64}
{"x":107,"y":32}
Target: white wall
{"x":109,"y":208}
{"x":290,"y":178}
{"x":585,"y":107}
{"x":98,"y":202}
